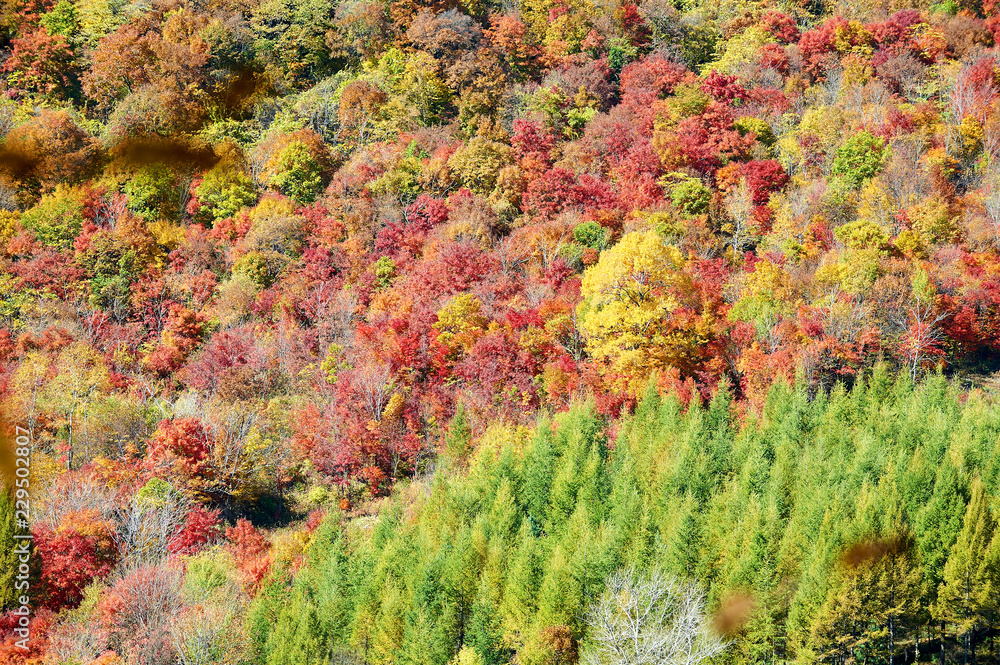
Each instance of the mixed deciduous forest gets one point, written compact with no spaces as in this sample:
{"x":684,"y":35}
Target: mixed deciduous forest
{"x":474,"y":332}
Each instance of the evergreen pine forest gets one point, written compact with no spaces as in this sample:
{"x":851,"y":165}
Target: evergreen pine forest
{"x":488,"y":332}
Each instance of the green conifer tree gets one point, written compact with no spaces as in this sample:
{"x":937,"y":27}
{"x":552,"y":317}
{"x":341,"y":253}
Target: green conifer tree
{"x":961,"y":600}
{"x":8,"y":559}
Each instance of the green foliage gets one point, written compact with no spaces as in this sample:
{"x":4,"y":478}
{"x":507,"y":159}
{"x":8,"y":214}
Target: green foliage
{"x":333,"y":363}
{"x":223,"y":192}
{"x":756,"y":126}
{"x":385,"y":272}
{"x":98,"y":18}
{"x":57,"y":219}
{"x":290,"y":38}
{"x":458,"y":440}
{"x":153,"y":192}
{"x":61,"y":20}
{"x":8,"y":559}
{"x":621,"y":52}
{"x":591,"y":234}
{"x":497,"y":551}
{"x":688,"y":99}
{"x":207,"y":572}
{"x":263,"y":268}
{"x":691,"y":196}
{"x":155,"y":492}
{"x":701,"y":37}
{"x":862,"y":156}
{"x":297,"y":173}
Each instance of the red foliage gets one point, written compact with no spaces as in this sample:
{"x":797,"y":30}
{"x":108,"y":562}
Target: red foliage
{"x":895,"y":29}
{"x":818,"y":43}
{"x":634,"y":26}
{"x":724,"y":89}
{"x":549,"y":193}
{"x":510,"y":37}
{"x":138,"y":608}
{"x":179,"y":448}
{"x":896,"y":123}
{"x":181,"y":335}
{"x":201,"y":526}
{"x":650,"y":78}
{"x":427,"y":211}
{"x":42,"y":62}
{"x":532,"y":145}
{"x":499,"y":377}
{"x":70,"y":557}
{"x":41,"y":620}
{"x":455,"y":267}
{"x":773,"y":57}
{"x":226,"y":350}
{"x":763,"y":177}
{"x":704,"y":140}
{"x":251,"y":552}
{"x":782,"y":26}
{"x":49,"y":270}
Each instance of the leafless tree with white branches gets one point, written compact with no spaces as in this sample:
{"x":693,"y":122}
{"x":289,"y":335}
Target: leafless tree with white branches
{"x":146,"y":526}
{"x":739,"y":205}
{"x":650,"y":619}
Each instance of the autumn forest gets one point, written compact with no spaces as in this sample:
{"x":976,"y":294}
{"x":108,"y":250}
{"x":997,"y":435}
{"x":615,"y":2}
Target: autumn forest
{"x":476,"y":332}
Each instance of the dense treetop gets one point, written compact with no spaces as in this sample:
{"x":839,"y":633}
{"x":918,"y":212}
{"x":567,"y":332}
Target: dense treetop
{"x":261,"y":260}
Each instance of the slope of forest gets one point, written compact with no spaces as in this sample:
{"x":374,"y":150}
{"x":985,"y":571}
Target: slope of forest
{"x":340,"y":330}
{"x":837,"y":519}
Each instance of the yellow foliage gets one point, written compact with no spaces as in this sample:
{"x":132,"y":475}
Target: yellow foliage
{"x":460,"y":322}
{"x":628,"y":297}
{"x":9,"y":225}
{"x":854,"y":270}
{"x":829,"y":123}
{"x":741,"y":49}
{"x":876,"y":203}
{"x":789,"y":231}
{"x":289,"y":546}
{"x":496,"y":436}
{"x":911,"y":244}
{"x":932,"y":219}
{"x":857,"y":69}
{"x":166,"y":234}
{"x":853,"y":38}
{"x":563,"y":33}
{"x":765,"y":294}
{"x":271,"y":207}
{"x":972,"y":135}
{"x":479,"y":163}
{"x":466,"y":656}
{"x":394,"y":409}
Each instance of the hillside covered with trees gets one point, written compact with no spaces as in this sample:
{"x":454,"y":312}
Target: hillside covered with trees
{"x":395,"y":331}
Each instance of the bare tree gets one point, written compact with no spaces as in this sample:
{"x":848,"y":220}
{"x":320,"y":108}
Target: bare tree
{"x":77,"y":642}
{"x":208,"y":634}
{"x":510,"y":253}
{"x":146,"y":526}
{"x":923,"y":335}
{"x":73,"y":492}
{"x":991,"y":203}
{"x":239,"y":460}
{"x":375,"y":387}
{"x":739,"y":205}
{"x":650,"y":619}
{"x":146,"y":600}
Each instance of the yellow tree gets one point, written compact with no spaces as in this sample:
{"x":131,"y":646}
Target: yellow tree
{"x":631,"y":297}
{"x":81,"y":376}
{"x":26,"y":389}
